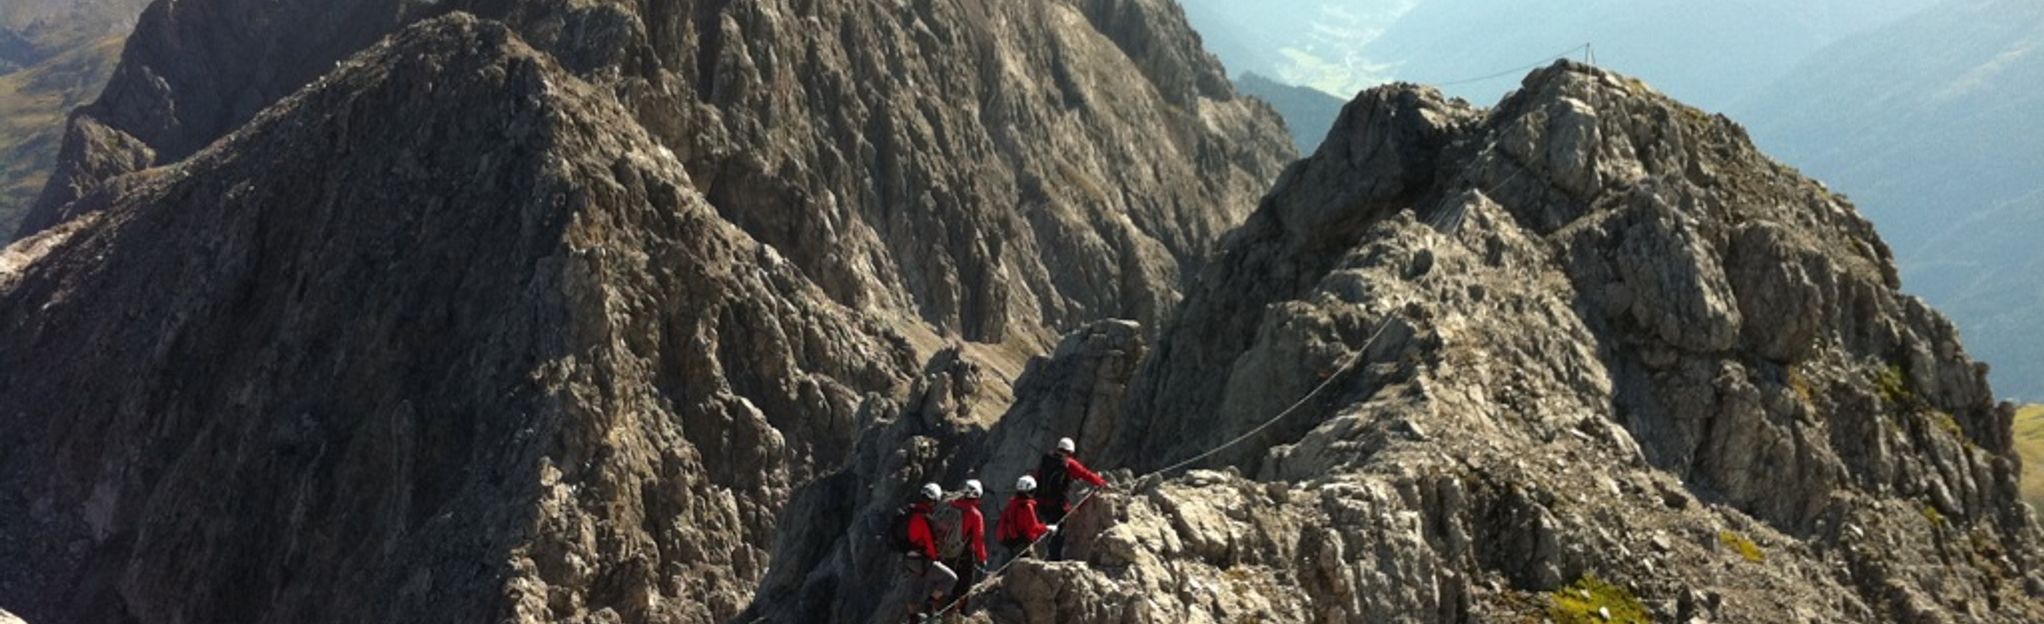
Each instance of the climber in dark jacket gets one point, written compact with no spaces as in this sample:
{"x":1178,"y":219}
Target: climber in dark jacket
{"x":1054,"y":477}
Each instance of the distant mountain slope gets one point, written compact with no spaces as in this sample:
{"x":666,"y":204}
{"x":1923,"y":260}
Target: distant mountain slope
{"x":54,"y":56}
{"x":32,"y":31}
{"x":1308,"y":112}
{"x":1313,"y":43}
{"x":1709,"y":53}
{"x":33,"y":103}
{"x":1934,"y":126}
{"x":15,"y":51}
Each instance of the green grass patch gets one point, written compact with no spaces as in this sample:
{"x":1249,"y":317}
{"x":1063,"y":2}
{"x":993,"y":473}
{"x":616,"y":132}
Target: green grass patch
{"x":1742,"y":545}
{"x":1945,"y":421}
{"x":1936,"y":518}
{"x":1592,"y":601}
{"x":1893,"y":384}
{"x":2030,"y":445}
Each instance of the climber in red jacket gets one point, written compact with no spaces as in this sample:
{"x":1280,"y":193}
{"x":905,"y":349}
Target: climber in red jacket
{"x":972,"y":527}
{"x":933,"y":578}
{"x":1054,"y":475}
{"x":1020,"y":525}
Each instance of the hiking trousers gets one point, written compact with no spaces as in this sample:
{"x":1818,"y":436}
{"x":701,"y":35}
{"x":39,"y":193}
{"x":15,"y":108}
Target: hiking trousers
{"x":968,"y":573}
{"x":1017,"y":549}
{"x":929,"y":578}
{"x":1053,"y":512}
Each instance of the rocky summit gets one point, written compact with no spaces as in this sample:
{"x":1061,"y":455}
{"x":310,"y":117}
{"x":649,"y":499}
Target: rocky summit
{"x":570,"y":311}
{"x":460,"y":311}
{"x":992,"y":168}
{"x":1586,"y":356}
{"x":1600,"y":341}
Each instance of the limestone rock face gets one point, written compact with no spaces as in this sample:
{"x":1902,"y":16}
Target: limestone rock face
{"x":569,"y":311}
{"x":972,"y":164}
{"x":833,"y":565}
{"x":553,"y":310}
{"x":1594,"y":333}
{"x":427,"y":349}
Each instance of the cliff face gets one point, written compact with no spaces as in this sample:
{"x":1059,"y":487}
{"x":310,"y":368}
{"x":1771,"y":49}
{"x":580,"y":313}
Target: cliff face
{"x":421,"y":349}
{"x":546,"y":311}
{"x":596,"y":312}
{"x":971,"y":164}
{"x":1585,"y":353}
{"x":1938,"y":148}
{"x":1611,"y":340}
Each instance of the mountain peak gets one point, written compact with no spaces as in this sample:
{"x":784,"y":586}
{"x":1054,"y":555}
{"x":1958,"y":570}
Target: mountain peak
{"x":1601,"y":276}
{"x":548,"y":310}
{"x":400,"y":288}
{"x":596,"y":312}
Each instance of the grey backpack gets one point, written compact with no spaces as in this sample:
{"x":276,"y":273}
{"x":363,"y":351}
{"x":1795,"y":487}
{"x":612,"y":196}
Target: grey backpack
{"x":947,"y":523}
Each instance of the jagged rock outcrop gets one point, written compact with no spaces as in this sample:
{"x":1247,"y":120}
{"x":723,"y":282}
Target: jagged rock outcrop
{"x":1599,"y":335}
{"x":595,"y":312}
{"x":973,"y":164}
{"x":554,"y":311}
{"x":483,"y":354}
{"x":833,"y":566}
{"x":1608,"y":354}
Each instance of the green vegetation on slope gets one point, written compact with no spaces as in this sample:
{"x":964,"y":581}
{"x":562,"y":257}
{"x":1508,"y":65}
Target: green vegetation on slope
{"x":33,"y":105}
{"x":54,"y":56}
{"x":1742,"y":545}
{"x":2030,"y":444}
{"x":1591,"y":600}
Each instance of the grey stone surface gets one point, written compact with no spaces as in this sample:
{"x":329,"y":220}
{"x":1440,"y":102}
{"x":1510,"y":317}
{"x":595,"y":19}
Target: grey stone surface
{"x":589,"y":312}
{"x":993,"y":168}
{"x":560,"y":311}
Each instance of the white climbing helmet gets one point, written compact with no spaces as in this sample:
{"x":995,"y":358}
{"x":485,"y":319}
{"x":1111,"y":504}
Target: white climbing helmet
{"x":972,"y":488}
{"x":932,"y":491}
{"x":1066,"y":445}
{"x":1025,"y":484}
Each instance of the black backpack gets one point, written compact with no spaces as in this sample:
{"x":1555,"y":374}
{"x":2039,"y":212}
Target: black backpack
{"x":1051,"y":479}
{"x":897,"y":530}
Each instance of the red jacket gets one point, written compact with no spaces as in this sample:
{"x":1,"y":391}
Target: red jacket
{"x":1019,"y":521}
{"x":919,"y":532}
{"x":972,"y":526}
{"x":1076,"y":470}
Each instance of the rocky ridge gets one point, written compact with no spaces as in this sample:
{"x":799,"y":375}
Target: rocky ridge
{"x":535,"y":349}
{"x":962,"y":163}
{"x":545,"y":312}
{"x":1607,"y":354}
{"x":1617,"y":343}
{"x":473,"y":404}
